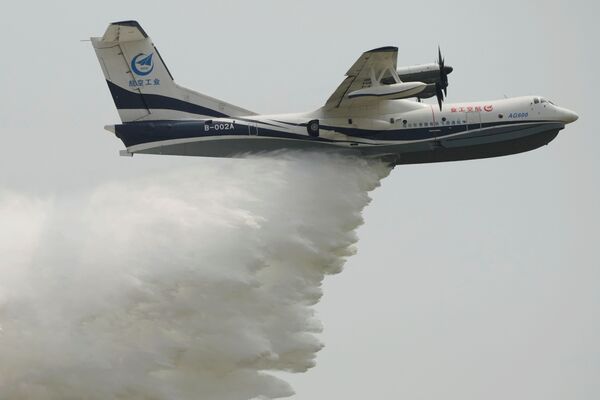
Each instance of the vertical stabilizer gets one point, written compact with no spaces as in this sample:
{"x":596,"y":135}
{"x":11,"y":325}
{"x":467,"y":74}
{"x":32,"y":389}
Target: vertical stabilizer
{"x":141,"y":85}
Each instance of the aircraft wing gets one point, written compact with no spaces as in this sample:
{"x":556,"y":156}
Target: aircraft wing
{"x":367,"y":71}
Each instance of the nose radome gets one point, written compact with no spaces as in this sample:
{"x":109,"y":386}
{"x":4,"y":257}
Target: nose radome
{"x":565,"y":115}
{"x":570,"y":116}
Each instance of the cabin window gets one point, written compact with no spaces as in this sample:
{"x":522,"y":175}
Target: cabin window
{"x":536,"y":100}
{"x":444,"y":119}
{"x":349,"y":121}
{"x":392,"y":120}
{"x":420,"y":124}
{"x":500,"y":116}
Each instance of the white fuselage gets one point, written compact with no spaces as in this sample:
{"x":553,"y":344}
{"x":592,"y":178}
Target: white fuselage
{"x":401,"y":131}
{"x":409,"y":115}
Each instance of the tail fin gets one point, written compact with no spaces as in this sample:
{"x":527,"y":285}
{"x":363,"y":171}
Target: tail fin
{"x":141,"y":84}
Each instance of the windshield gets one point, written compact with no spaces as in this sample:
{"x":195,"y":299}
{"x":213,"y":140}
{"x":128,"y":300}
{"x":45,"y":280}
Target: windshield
{"x":543,"y":100}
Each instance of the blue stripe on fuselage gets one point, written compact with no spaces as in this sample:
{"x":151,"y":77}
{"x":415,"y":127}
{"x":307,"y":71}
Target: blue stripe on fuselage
{"x":407,"y":134}
{"x":135,"y":133}
{"x":126,"y":100}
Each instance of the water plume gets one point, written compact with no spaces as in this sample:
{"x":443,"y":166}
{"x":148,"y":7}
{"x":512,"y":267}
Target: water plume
{"x":192,"y":284}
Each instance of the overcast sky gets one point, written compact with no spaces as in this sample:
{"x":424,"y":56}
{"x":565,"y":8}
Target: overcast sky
{"x":473,"y":280}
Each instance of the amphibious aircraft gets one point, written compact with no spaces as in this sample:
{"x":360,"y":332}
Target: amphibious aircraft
{"x":375,"y":112}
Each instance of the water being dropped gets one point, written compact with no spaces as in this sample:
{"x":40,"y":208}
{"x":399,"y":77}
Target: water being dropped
{"x":192,"y":284}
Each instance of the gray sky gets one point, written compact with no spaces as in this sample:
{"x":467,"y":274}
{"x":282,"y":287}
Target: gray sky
{"x":473,"y":280}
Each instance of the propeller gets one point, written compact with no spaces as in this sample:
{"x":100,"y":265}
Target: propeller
{"x":441,"y":87}
{"x":443,"y":72}
{"x":439,"y":94}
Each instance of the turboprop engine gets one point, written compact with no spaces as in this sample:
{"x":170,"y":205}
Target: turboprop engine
{"x":390,"y":92}
{"x":435,"y":75}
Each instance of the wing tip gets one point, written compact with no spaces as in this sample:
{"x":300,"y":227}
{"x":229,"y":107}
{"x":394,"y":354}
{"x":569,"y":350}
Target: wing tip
{"x":384,"y":49}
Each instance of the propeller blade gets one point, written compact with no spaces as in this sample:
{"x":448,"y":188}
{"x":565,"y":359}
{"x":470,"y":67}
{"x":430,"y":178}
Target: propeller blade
{"x":439,"y":95}
{"x":443,"y":74}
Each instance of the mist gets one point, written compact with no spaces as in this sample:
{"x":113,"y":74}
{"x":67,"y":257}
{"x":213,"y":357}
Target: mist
{"x":192,"y":284}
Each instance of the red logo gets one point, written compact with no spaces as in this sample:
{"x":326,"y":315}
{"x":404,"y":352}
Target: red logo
{"x":468,"y":109}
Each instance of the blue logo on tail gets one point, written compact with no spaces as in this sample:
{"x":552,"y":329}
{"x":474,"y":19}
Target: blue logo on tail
{"x":142,"y":64}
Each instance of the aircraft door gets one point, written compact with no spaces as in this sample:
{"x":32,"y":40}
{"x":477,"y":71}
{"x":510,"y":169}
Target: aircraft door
{"x":473,"y":120}
{"x":252,"y":129}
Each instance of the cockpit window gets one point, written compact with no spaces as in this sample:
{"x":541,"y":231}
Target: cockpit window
{"x":542,"y":100}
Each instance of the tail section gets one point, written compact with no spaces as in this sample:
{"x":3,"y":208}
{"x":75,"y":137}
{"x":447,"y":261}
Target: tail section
{"x":141,"y":85}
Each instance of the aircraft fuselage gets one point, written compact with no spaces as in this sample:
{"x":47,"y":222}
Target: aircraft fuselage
{"x":400,"y":132}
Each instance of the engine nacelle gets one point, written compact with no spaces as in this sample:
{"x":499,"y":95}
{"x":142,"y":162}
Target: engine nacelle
{"x":390,"y":92}
{"x":427,"y":73}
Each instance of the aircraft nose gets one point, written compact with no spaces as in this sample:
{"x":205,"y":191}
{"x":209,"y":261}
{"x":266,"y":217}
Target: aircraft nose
{"x":569,"y":116}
